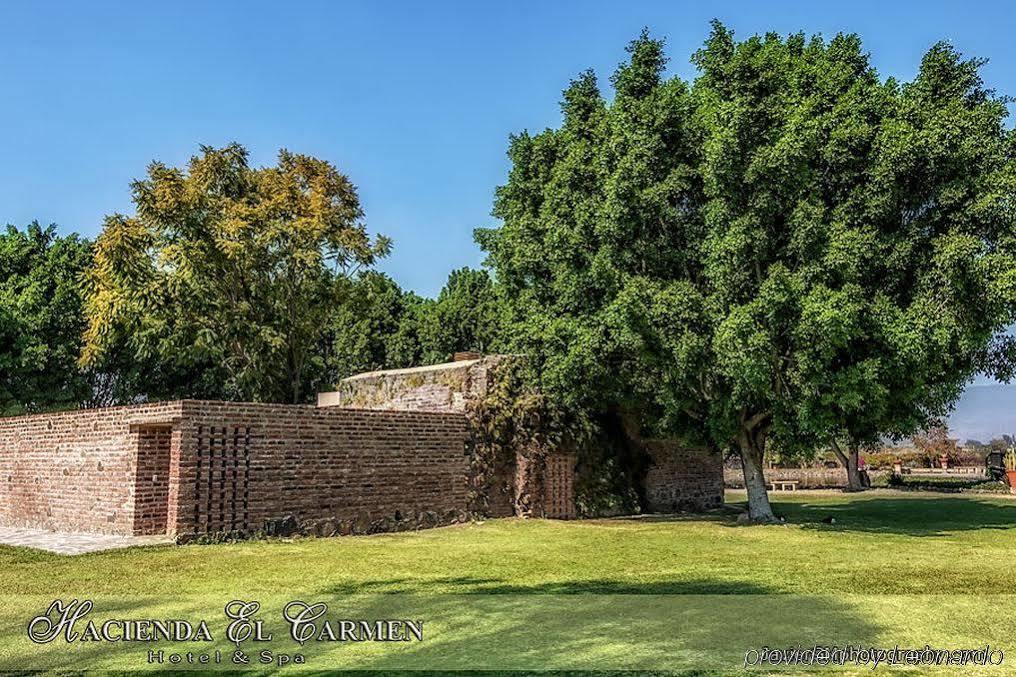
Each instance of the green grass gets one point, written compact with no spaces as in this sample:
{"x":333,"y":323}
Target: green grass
{"x":669,"y":593}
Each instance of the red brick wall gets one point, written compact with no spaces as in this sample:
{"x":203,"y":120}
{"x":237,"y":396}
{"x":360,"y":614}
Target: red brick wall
{"x":682,"y":478}
{"x":241,"y":466}
{"x":151,"y":481}
{"x":74,"y":470}
{"x":195,"y":467}
{"x":559,"y":486}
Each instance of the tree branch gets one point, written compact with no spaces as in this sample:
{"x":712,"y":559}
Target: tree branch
{"x":838,"y":451}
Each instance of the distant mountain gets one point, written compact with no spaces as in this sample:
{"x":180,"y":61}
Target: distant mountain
{"x":984,"y":412}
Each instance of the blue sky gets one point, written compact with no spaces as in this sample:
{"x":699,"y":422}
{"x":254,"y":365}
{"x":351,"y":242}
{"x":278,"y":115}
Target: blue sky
{"x":414,"y":101}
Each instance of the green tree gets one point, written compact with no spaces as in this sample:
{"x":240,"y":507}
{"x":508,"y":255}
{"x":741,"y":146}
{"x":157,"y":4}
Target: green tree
{"x":380,"y":326}
{"x":223,"y":281}
{"x":465,"y":316}
{"x":929,"y":182}
{"x":41,"y":320}
{"x":376,"y":326}
{"x":758,"y":256}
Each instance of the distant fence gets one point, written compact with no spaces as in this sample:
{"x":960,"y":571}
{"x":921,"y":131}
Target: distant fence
{"x":836,"y":478}
{"x":807,"y":478}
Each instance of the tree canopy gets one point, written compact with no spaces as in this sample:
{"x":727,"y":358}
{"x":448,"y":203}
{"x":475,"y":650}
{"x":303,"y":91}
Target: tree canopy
{"x":788,"y":248}
{"x":222,"y":282}
{"x":40,"y":320}
{"x":376,"y":326}
{"x":465,"y":316}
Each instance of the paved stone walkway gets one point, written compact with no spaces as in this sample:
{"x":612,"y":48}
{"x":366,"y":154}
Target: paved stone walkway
{"x":73,"y":543}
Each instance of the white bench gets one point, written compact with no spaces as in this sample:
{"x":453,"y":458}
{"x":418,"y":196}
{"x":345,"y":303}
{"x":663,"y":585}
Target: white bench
{"x":783,"y":485}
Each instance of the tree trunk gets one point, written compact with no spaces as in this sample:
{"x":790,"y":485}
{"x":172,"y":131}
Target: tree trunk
{"x":850,"y":462}
{"x":752,"y":452}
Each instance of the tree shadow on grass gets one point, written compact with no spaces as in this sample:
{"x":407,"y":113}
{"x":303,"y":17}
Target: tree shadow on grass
{"x":603,"y":625}
{"x":926,"y":516}
{"x":490,"y":586}
{"x":611,"y":626}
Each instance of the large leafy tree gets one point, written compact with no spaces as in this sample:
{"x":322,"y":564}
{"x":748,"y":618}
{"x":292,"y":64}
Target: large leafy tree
{"x":222,"y":282}
{"x":787,"y":250}
{"x":41,"y":320}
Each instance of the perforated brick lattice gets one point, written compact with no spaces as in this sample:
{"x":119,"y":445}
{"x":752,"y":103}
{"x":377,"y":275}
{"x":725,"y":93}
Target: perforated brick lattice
{"x":222,"y":480}
{"x":559,"y":486}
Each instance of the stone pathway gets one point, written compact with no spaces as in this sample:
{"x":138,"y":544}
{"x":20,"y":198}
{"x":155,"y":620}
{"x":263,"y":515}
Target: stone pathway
{"x":73,"y":543}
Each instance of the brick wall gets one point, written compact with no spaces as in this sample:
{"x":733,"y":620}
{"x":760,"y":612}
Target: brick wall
{"x":682,"y":478}
{"x":559,"y":486}
{"x":677,"y":479}
{"x":75,"y":470}
{"x":195,"y":467}
{"x":808,"y":478}
{"x":151,"y":481}
{"x":242,"y":466}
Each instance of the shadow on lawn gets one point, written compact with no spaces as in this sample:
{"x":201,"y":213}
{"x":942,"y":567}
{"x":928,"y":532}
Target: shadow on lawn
{"x":490,"y":586}
{"x":698,"y":624}
{"x":899,"y":515}
{"x":611,"y":626}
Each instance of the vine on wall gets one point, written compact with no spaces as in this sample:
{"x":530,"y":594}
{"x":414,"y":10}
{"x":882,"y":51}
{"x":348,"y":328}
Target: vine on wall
{"x":515,"y":426}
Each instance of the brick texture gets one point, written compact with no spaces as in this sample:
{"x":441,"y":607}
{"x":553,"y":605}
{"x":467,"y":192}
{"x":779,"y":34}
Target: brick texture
{"x":396,"y":455}
{"x":559,"y":486}
{"x":151,"y":481}
{"x":678,"y":478}
{"x":242,"y":466}
{"x":682,"y":478}
{"x":75,"y":470}
{"x":193,"y":467}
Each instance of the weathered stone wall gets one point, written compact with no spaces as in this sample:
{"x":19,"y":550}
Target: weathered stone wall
{"x":439,"y":387}
{"x":682,"y":478}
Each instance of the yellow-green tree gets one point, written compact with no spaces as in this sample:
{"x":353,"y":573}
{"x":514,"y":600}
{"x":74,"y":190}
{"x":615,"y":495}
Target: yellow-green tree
{"x":221,"y":283}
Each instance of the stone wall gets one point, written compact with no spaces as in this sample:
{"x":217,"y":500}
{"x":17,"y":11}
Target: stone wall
{"x":193,"y":467}
{"x":437,"y":387}
{"x":807,"y":478}
{"x":682,"y":478}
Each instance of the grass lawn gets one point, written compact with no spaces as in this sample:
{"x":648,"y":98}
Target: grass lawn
{"x":664,"y":593}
